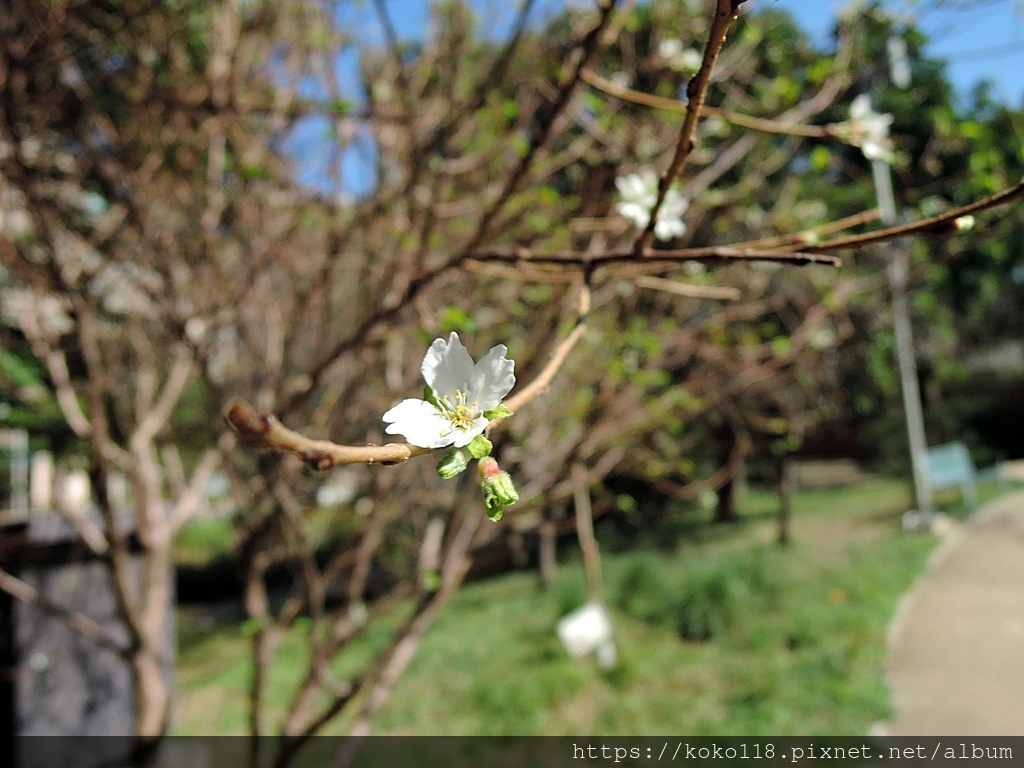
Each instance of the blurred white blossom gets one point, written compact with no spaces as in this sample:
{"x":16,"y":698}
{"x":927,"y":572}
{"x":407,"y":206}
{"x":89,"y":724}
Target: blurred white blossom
{"x":821,"y":338}
{"x":868,"y":130}
{"x":620,"y":79}
{"x":44,"y":311}
{"x":686,"y":60}
{"x":639,"y":192}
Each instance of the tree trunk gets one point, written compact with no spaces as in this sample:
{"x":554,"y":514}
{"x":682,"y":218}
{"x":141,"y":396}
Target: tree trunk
{"x":546,"y":546}
{"x":152,"y":693}
{"x":585,"y":533}
{"x":785,"y":477}
{"x":725,"y":512}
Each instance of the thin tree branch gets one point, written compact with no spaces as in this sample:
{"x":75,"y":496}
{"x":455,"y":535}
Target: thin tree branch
{"x":814,"y":233}
{"x":543,"y":379}
{"x":761,"y":124}
{"x":57,"y":367}
{"x":158,"y":414}
{"x":944,"y":224}
{"x":696,"y":92}
{"x":189,"y":500}
{"x":653,"y":258}
{"x":258,"y":430}
{"x":688,"y":289}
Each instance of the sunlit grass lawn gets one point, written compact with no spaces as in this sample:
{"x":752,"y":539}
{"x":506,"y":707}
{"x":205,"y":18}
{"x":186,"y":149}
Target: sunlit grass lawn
{"x":721,"y":633}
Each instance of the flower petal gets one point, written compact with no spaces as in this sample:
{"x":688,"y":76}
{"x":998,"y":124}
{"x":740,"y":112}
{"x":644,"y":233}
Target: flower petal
{"x":447,"y":366}
{"x":666,"y":229}
{"x":635,"y":213}
{"x":461,"y":439}
{"x":420,"y":423}
{"x":860,"y":107}
{"x":493,"y":378}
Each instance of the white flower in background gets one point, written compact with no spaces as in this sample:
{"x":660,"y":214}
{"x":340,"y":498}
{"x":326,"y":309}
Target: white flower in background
{"x":639,"y":192}
{"x":868,"y":130}
{"x":620,"y":79}
{"x":687,"y":60}
{"x":691,"y":59}
{"x":47,"y":312}
{"x":669,"y":48}
{"x":821,"y":338}
{"x":462,"y":394}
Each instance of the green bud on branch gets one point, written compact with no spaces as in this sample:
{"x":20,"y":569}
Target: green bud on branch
{"x":454,"y":463}
{"x":499,"y":490}
{"x":964,"y":223}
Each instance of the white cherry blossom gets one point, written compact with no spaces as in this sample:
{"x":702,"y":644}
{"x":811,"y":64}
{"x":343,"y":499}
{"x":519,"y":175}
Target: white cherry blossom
{"x":869,"y":129}
{"x":463,"y":393}
{"x":686,"y":60}
{"x":639,"y":191}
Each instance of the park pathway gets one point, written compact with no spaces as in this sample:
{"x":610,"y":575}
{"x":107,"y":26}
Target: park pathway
{"x":956,"y":650}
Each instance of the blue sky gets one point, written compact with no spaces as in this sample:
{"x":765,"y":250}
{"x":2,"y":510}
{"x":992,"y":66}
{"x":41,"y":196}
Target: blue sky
{"x":981,"y":39}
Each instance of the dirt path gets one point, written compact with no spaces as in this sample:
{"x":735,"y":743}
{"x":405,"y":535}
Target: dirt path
{"x":956,"y":653}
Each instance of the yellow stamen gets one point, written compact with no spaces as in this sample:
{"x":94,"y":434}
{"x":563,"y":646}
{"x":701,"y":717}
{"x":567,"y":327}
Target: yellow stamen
{"x":460,"y":414}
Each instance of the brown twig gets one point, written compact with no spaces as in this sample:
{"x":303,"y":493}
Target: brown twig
{"x":543,"y":379}
{"x":688,"y":289}
{"x":585,"y":532}
{"x":652,"y":258}
{"x":800,"y":238}
{"x":777,"y":249}
{"x":696,"y":91}
{"x":259,"y":430}
{"x":944,"y":224}
{"x":761,"y":124}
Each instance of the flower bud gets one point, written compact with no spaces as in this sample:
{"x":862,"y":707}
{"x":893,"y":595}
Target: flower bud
{"x":964,"y":223}
{"x":499,"y":490}
{"x":453,"y":464}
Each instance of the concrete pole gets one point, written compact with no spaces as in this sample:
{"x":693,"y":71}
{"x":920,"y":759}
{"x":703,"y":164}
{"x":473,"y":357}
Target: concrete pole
{"x":912,"y":410}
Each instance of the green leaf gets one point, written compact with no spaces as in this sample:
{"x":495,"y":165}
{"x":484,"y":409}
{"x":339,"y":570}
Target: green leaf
{"x":430,"y":397}
{"x":250,"y":627}
{"x":480,"y":447}
{"x":500,"y":412}
{"x":820,"y":159}
{"x":19,"y":370}
{"x":781,"y":345}
{"x":431,"y":581}
{"x":457,"y":319}
{"x":341,"y":106}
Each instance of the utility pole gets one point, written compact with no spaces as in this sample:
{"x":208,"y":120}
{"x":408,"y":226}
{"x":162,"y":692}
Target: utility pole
{"x":913,"y":413}
{"x":898,"y":264}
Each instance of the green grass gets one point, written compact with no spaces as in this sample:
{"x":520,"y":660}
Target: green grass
{"x":725,"y":634}
{"x":201,"y":541}
{"x":951,"y":502}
